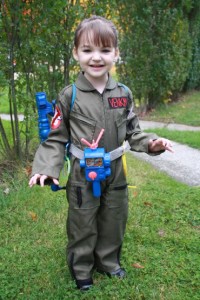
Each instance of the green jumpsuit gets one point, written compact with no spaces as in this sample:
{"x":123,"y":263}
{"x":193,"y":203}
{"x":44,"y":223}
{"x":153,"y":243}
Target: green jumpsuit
{"x":95,"y":226}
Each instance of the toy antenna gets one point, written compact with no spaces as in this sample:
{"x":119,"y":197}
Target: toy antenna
{"x":94,"y":144}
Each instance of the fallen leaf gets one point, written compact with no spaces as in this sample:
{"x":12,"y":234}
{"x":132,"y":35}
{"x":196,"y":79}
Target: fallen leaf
{"x":137,"y":266}
{"x":161,"y":232}
{"x":33,"y":216}
{"x":28,"y":170}
{"x":196,"y":227}
{"x":147,"y":203}
{"x":6,"y":191}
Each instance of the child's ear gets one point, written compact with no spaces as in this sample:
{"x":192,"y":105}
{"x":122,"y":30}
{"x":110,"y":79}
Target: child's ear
{"x":116,"y":54}
{"x":74,"y":52}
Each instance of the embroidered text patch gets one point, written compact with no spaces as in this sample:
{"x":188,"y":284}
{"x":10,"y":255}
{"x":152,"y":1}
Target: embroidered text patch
{"x":117,"y":102}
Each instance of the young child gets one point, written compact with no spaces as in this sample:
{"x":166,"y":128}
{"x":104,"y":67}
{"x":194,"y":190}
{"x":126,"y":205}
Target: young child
{"x":95,"y":225}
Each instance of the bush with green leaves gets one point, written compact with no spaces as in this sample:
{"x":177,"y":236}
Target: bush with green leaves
{"x":156,"y":49}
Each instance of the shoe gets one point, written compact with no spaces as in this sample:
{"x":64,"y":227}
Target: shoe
{"x":120,"y":273}
{"x":84,"y":285}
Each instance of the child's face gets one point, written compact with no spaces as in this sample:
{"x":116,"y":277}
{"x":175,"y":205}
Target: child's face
{"x":95,"y":61}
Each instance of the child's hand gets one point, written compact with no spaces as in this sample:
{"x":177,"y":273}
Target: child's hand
{"x":41,"y":179}
{"x":159,"y":145}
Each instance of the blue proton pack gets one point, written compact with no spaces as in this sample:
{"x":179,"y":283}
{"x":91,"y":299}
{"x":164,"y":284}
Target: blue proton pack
{"x":44,"y":108}
{"x":96,"y":163}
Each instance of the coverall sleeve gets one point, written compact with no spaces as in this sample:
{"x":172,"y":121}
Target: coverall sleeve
{"x":137,"y":139}
{"x":49,"y":157}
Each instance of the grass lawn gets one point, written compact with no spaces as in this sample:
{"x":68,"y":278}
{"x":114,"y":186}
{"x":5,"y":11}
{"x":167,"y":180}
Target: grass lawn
{"x":33,"y":143}
{"x":190,"y":138}
{"x":4,"y":103}
{"x":7,"y":128}
{"x":160,"y":251}
{"x":185,"y":111}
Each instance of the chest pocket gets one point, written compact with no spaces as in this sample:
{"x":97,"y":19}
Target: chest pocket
{"x":121,"y":129}
{"x":81,"y":127}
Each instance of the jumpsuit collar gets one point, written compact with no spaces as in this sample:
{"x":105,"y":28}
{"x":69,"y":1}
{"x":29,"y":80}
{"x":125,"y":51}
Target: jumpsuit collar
{"x":83,"y":84}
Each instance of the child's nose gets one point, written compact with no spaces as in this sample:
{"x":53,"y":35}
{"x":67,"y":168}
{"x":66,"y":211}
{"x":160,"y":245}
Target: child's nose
{"x":96,"y":56}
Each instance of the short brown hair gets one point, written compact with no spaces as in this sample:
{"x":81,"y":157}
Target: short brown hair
{"x":98,"y":31}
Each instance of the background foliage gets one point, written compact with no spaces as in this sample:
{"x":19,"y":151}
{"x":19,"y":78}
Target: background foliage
{"x":159,"y":45}
{"x":156,"y":48}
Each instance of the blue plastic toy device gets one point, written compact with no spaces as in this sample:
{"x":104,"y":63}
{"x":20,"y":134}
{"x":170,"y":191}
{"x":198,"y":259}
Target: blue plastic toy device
{"x":96,"y":163}
{"x":44,"y":108}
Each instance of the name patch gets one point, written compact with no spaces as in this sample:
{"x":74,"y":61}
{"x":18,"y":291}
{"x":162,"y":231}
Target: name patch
{"x":117,"y":102}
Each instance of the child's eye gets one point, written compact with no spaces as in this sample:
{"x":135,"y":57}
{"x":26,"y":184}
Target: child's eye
{"x":86,"y":50}
{"x":106,"y":50}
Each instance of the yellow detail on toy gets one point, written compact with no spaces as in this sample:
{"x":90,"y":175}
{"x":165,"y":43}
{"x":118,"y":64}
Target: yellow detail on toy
{"x":126,"y":170}
{"x":124,"y":164}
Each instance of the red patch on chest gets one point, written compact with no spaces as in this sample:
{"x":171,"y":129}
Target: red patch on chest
{"x":117,"y":102}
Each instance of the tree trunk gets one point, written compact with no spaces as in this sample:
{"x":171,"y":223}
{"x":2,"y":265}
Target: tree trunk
{"x":5,"y":142}
{"x":16,"y":137}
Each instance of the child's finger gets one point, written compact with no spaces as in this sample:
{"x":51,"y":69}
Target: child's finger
{"x":168,"y":146}
{"x":55,"y":181}
{"x":34,"y":180}
{"x":42,"y":180}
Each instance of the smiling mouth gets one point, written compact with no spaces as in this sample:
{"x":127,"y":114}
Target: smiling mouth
{"x":96,"y":66}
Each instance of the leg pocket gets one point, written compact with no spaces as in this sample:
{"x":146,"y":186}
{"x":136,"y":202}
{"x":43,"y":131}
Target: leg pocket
{"x":117,"y":202}
{"x":118,"y":196}
{"x":81,"y":196}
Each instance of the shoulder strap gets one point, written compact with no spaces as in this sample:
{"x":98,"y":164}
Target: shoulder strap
{"x":124,"y":87}
{"x":73,"y":96}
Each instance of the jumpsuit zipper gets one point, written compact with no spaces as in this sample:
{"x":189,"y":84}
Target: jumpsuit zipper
{"x":105,"y":121}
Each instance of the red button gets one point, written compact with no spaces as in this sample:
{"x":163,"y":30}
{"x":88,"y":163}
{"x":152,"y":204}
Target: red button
{"x":92,"y":175}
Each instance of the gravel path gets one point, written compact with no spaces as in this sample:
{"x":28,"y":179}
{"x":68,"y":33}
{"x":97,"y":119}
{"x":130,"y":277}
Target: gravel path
{"x":172,"y":126}
{"x":7,"y":117}
{"x":183,"y":165}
